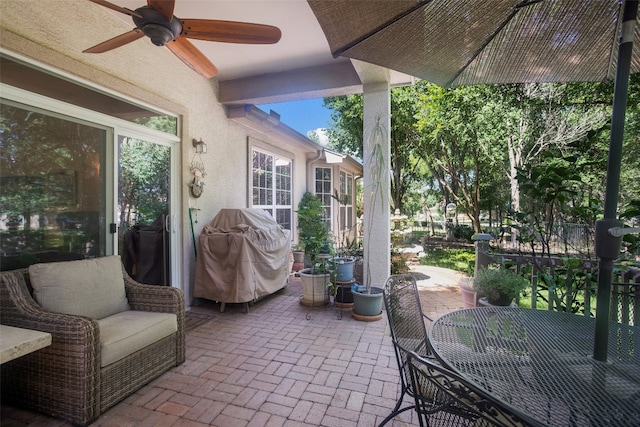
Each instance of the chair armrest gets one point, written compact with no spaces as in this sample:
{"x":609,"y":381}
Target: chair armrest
{"x":19,"y":309}
{"x":71,"y":362}
{"x":163,"y":299}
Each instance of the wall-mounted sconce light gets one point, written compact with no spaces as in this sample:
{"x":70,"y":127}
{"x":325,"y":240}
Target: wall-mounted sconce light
{"x":200,"y":146}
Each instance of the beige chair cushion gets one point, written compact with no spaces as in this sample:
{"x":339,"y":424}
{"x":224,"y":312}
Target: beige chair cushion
{"x":92,"y":287}
{"x":129,"y":331}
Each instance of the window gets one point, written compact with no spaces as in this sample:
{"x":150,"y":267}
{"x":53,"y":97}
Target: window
{"x":323,"y":191}
{"x":50,"y":210}
{"x":58,"y":200}
{"x":346,"y":201}
{"x":271,"y":186}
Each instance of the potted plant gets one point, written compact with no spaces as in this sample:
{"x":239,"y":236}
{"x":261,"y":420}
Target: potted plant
{"x":348,"y":262}
{"x":298,"y":258}
{"x":332,"y":289}
{"x":314,"y":237}
{"x":343,"y":263}
{"x":367,"y":299}
{"x":499,"y":285}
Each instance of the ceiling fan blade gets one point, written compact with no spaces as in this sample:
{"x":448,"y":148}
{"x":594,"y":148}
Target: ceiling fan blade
{"x":117,"y":8}
{"x":165,"y":7}
{"x":190,"y":55}
{"x":117,"y":41}
{"x":230,"y":31}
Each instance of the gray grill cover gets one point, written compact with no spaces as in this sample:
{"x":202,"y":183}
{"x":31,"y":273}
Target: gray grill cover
{"x":243,"y":254}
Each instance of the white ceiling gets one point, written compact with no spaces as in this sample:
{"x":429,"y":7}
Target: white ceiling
{"x":299,"y":66}
{"x":302,"y":44}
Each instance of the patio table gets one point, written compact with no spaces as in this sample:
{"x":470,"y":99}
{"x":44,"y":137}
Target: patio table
{"x":540,"y":363}
{"x":17,"y":342}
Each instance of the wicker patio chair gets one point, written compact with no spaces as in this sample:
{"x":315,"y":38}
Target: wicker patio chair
{"x":408,"y":331}
{"x":463,"y":404}
{"x":65,"y":379}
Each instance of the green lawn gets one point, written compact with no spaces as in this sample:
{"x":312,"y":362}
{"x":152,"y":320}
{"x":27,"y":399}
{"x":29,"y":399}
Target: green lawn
{"x":456,"y":259}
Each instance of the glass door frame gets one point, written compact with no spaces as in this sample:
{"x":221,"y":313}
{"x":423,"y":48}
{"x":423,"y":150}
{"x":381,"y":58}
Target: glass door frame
{"x":115,"y":127}
{"x":129,"y":130}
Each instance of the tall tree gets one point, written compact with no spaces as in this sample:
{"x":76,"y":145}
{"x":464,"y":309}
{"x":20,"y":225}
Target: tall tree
{"x":449,"y":127}
{"x":345,"y":135}
{"x":345,"y":131}
{"x":534,"y":118}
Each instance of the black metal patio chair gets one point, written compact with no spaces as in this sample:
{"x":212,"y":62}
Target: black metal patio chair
{"x":408,"y":331}
{"x":463,"y":403}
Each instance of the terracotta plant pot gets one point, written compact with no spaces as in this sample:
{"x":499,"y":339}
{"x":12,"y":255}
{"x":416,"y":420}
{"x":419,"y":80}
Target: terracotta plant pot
{"x":298,"y":260}
{"x":469,"y":295}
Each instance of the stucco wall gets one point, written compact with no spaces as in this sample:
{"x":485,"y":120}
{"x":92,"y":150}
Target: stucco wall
{"x":56,"y":32}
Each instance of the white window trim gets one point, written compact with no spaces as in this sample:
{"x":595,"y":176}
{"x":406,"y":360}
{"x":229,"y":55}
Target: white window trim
{"x":332,"y":186}
{"x":348,"y":218}
{"x":268,"y":149}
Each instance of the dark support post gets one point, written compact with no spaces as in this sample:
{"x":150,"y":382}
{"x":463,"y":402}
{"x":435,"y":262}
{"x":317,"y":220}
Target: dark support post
{"x":608,"y":246}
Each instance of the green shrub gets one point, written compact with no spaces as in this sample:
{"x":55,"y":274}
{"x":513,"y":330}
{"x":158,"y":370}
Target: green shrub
{"x":498,"y":283}
{"x":313,"y":233}
{"x":462,"y":232}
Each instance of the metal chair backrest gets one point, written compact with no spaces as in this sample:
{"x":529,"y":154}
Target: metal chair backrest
{"x":406,"y":319}
{"x":408,"y":331}
{"x":465,"y":403}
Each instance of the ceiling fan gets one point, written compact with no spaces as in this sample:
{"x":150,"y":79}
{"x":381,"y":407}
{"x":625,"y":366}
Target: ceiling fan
{"x":157,"y":21}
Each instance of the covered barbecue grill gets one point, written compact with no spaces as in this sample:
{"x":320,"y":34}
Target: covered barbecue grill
{"x":243,"y":254}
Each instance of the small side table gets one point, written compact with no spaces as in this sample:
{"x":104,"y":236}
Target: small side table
{"x":344,"y":295}
{"x":17,"y":342}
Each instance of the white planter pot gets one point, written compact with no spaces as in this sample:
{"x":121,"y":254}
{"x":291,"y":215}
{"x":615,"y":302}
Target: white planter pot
{"x":314,"y":288}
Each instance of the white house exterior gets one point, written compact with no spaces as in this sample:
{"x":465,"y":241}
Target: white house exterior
{"x":33,"y":38}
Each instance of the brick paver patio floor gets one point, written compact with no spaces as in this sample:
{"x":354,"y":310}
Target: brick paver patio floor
{"x":280,"y":364}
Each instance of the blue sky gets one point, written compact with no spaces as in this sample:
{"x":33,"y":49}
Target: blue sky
{"x":302,"y":116}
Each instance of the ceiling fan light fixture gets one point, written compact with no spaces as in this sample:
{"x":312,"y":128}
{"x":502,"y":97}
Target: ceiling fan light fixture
{"x":155,"y":26}
{"x":159,"y":35}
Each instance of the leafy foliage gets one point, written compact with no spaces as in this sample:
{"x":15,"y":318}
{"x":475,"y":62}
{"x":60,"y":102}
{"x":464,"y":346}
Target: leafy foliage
{"x":564,"y":283}
{"x":313,"y":231}
{"x":449,"y":123}
{"x":496,"y":283}
{"x":631,"y":242}
{"x":468,"y":143}
{"x":144,"y":181}
{"x":346,"y":135}
{"x":554,"y":192}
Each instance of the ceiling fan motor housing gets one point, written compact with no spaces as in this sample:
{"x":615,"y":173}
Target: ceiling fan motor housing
{"x":155,"y":26}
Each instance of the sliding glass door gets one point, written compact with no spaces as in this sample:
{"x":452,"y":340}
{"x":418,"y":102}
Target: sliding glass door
{"x":53,"y":204}
{"x":144,"y":195}
{"x":81,"y":168}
